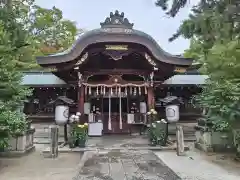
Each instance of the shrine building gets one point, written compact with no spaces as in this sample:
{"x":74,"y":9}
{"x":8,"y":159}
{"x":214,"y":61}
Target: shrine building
{"x":112,"y":72}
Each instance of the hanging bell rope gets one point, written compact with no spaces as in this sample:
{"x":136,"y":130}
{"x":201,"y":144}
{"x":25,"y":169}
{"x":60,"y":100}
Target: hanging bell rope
{"x":135,"y":91}
{"x":111,"y":91}
{"x":109,"y":113}
{"x":120,"y":109}
{"x":90,"y":91}
{"x":85,"y":90}
{"x":101,"y":89}
{"x":97,"y":92}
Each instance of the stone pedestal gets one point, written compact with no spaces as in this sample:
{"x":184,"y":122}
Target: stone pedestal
{"x":210,"y":141}
{"x":20,"y":145}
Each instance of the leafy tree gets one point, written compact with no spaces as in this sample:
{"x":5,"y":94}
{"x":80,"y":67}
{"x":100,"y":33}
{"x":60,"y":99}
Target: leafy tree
{"x":13,"y":42}
{"x":50,"y":30}
{"x":47,"y":31}
{"x":175,"y":6}
{"x":221,"y":95}
{"x":209,"y":20}
{"x":213,"y":28}
{"x":195,"y":50}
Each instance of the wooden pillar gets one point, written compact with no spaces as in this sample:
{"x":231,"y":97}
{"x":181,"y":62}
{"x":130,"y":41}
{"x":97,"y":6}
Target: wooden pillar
{"x":151,"y":98}
{"x":81,"y":99}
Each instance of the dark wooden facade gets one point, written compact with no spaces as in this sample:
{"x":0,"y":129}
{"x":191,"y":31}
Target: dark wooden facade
{"x":114,"y":65}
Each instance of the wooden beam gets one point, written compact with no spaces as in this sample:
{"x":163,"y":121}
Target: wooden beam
{"x":115,"y":71}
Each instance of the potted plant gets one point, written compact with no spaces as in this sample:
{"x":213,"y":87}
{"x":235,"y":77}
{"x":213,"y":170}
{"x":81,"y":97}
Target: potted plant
{"x":157,"y":131}
{"x":74,"y":122}
{"x":81,"y":134}
{"x":157,"y":134}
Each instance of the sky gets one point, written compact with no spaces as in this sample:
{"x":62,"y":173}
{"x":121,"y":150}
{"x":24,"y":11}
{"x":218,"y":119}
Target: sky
{"x":143,"y":13}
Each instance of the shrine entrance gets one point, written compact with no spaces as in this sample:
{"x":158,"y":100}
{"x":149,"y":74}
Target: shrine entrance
{"x":116,"y":103}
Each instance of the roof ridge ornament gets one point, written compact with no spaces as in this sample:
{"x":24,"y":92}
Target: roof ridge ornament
{"x":116,"y":20}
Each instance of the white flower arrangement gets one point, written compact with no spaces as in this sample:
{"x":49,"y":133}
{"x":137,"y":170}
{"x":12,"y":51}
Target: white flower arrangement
{"x":78,"y":114}
{"x":163,"y":121}
{"x":152,"y":111}
{"x":154,"y":125}
{"x":75,"y":118}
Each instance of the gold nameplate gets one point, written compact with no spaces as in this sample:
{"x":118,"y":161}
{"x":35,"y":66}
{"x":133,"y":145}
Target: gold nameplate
{"x":52,"y":69}
{"x":116,"y":47}
{"x":180,"y":70}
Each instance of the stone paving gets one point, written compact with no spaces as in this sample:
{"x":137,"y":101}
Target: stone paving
{"x":199,"y":166}
{"x":125,"y":165}
{"x":120,"y":164}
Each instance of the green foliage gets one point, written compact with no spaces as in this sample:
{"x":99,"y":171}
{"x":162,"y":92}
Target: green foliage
{"x":82,"y":131}
{"x":78,"y":135}
{"x":12,"y":123}
{"x":15,"y":122}
{"x":175,"y":6}
{"x":221,"y":95}
{"x":45,"y":31}
{"x":12,"y":43}
{"x":213,"y":28}
{"x":195,"y":50}
{"x":209,"y":21}
{"x":50,"y":32}
{"x":157,"y":133}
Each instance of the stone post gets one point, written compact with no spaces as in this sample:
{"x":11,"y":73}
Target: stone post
{"x":180,"y":141}
{"x":54,"y":141}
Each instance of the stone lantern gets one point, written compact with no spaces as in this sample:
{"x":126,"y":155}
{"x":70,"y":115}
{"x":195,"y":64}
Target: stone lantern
{"x":171,"y":104}
{"x":62,"y":104}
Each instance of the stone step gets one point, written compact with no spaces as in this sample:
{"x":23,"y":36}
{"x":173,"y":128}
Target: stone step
{"x":187,"y":138}
{"x":42,"y":130}
{"x":46,"y":140}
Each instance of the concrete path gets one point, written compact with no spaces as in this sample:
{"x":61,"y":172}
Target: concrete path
{"x":197,"y":166}
{"x":125,"y":165}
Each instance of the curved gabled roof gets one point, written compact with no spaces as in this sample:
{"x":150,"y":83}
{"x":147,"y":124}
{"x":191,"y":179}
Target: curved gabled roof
{"x":115,"y":29}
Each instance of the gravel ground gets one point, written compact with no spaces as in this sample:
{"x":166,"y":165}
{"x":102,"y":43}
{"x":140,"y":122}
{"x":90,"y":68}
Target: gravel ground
{"x":196,"y":166}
